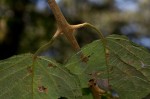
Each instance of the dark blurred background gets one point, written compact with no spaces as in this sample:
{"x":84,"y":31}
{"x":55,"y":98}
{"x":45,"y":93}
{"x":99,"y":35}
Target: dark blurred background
{"x":25,"y":25}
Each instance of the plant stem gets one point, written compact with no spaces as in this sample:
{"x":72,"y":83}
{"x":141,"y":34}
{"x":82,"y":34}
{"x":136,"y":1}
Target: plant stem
{"x":68,"y":30}
{"x":91,"y":26}
{"x":45,"y":46}
{"x":63,"y":25}
{"x":60,"y":19}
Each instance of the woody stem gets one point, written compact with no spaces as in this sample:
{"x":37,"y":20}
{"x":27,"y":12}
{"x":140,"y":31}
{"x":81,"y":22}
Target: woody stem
{"x":60,"y":19}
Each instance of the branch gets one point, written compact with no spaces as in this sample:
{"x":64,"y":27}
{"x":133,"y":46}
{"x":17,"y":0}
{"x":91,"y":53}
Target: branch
{"x":68,"y":30}
{"x":60,"y":19}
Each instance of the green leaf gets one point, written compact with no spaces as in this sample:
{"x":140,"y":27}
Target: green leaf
{"x":95,"y":67}
{"x":43,"y":79}
{"x":125,"y":64}
{"x":96,"y":63}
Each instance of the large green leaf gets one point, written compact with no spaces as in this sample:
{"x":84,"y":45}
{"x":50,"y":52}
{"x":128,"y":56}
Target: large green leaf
{"x":43,"y":79}
{"x":126,"y":64}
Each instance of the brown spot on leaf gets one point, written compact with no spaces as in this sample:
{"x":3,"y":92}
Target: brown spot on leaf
{"x":96,"y":90}
{"x":84,"y":58}
{"x":51,"y":65}
{"x":91,"y":80}
{"x":30,"y":70}
{"x":42,"y":89}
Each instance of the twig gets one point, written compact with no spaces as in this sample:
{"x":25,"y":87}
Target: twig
{"x":68,"y":30}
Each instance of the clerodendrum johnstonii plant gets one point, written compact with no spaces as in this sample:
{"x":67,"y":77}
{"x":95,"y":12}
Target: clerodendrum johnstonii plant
{"x":108,"y":68}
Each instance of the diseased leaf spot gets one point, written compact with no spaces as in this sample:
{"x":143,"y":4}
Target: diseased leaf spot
{"x":92,"y":82}
{"x":30,"y":70}
{"x":84,"y":58}
{"x":95,"y":88}
{"x":51,"y":65}
{"x":42,"y":89}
